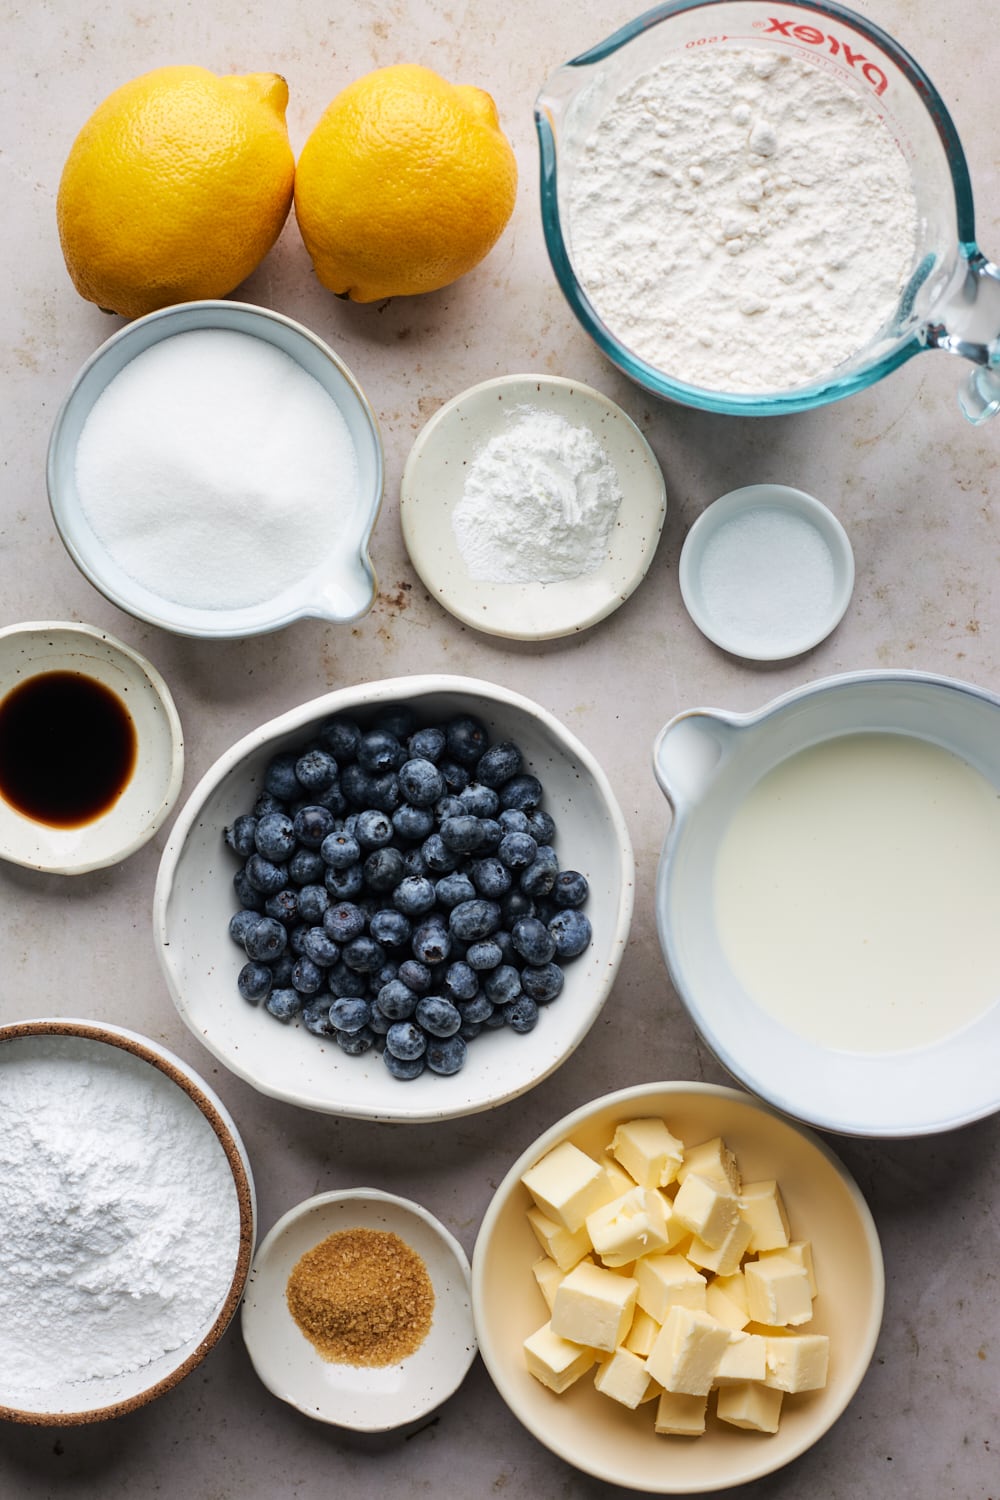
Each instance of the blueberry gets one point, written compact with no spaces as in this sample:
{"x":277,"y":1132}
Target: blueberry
{"x":307,"y":976}
{"x":340,"y":850}
{"x":383,"y":869}
{"x":469,"y":1030}
{"x":341,"y":736}
{"x":344,"y":885}
{"x":266,"y":802}
{"x":513,"y":820}
{"x":349,"y":1013}
{"x":540,"y":876}
{"x":571,"y":932}
{"x":427,"y":744}
{"x":472,"y":920}
{"x":479,"y":800}
{"x":343,"y":921}
{"x":240,"y":835}
{"x":541,"y":826}
{"x":340,"y":980}
{"x":316,"y":1017}
{"x":456,"y":777}
{"x":431,"y":943}
{"x":570,"y":889}
{"x":449,"y":807}
{"x":379,"y":978}
{"x":390,"y":928}
{"x":396,"y":1000}
{"x":508,"y":953}
{"x":437,"y":1015}
{"x":421,"y":782}
{"x":440,"y":859}
{"x":281,"y":970}
{"x":379,"y":751}
{"x":283,"y":904}
{"x":502,"y":984}
{"x":396,"y":718}
{"x":356,"y":1043}
{"x":461,"y":834}
{"x":466,"y":739}
{"x":405,"y":1040}
{"x":486,"y":954}
{"x":544,"y":983}
{"x":316,"y":769}
{"x":363,"y":955}
{"x":521,"y":1014}
{"x":297,"y":938}
{"x":496,"y":1019}
{"x":413,"y":822}
{"x":490,"y":834}
{"x":284,"y":1004}
{"x":374,"y":829}
{"x":305,"y":867}
{"x":313,"y":901}
{"x":446,"y":1054}
{"x":240,"y":923}
{"x":312,"y":824}
{"x":414,"y":862}
{"x":385,"y":793}
{"x":523,"y":792}
{"x":517,"y":850}
{"x":453,"y":888}
{"x":461,"y":981}
{"x":477,"y":1009}
{"x":377,"y":1019}
{"x":491,"y":877}
{"x":254,"y":982}
{"x":416,"y":975}
{"x":516,"y":904}
{"x":499,"y":763}
{"x":280,"y":778}
{"x":533,"y":940}
{"x":356,"y":785}
{"x":403,"y":1068}
{"x":266,"y":939}
{"x":264,"y":875}
{"x":414,"y":895}
{"x":318,"y":945}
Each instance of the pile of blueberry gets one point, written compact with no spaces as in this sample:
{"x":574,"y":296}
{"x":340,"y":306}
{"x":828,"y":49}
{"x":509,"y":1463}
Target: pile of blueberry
{"x":399,"y":890}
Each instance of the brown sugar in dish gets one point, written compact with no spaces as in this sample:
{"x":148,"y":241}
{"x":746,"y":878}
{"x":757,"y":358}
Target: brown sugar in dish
{"x":362,"y":1297}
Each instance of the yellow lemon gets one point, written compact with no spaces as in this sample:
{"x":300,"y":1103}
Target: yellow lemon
{"x":404,"y":185}
{"x":176,"y":188}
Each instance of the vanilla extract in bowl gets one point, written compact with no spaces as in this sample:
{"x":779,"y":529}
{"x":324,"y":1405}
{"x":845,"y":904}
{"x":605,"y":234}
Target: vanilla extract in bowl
{"x":67,"y":748}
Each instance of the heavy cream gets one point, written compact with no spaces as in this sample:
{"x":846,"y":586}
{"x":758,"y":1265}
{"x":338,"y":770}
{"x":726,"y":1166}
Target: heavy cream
{"x":856,"y":892}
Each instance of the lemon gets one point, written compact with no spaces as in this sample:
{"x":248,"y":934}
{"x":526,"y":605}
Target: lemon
{"x":406,"y":182}
{"x":176,"y":188}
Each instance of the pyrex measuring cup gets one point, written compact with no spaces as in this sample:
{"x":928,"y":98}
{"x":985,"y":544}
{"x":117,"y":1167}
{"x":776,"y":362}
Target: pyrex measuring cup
{"x":952,"y":298}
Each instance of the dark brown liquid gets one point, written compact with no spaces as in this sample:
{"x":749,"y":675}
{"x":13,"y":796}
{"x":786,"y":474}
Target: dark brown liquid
{"x":67,"y":748}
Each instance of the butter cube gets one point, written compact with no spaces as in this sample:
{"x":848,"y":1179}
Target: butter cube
{"x":618,"y":1181}
{"x":566,"y":1184}
{"x":724,"y":1309}
{"x":725,"y":1257}
{"x":801,"y":1252}
{"x":623,"y":1377}
{"x":681,"y":1415}
{"x":744,"y":1358}
{"x":564,"y":1248}
{"x":798,"y":1362}
{"x":642,"y":1334}
{"x":735,"y":1288}
{"x":555,"y":1361}
{"x":714,"y":1161}
{"x":762,"y":1207}
{"x":634,"y":1224}
{"x":648,"y":1151}
{"x":707,"y":1210}
{"x":666,"y":1281}
{"x":594,"y":1306}
{"x":777,"y":1291}
{"x":687,"y":1351}
{"x":750,"y":1405}
{"x":548,"y":1276}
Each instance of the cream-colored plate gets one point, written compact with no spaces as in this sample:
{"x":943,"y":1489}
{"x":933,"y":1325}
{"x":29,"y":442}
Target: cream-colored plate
{"x":599,"y":1435}
{"x":432,"y":486}
{"x":362,"y":1398}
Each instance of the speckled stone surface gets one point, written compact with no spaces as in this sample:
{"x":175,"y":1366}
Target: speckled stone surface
{"x":916,"y":488}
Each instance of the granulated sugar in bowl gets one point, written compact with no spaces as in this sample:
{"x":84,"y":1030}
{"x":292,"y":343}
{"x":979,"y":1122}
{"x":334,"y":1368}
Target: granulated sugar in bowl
{"x":216,"y":470}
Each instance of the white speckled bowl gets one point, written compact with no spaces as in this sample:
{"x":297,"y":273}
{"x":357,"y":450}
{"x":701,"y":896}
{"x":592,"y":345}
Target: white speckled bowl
{"x":366,"y":1399}
{"x":194,"y":901}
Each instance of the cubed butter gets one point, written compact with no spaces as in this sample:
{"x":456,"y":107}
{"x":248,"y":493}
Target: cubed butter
{"x":548,"y":1276}
{"x":623,"y":1377}
{"x":594,"y":1306}
{"x":680,"y":1415}
{"x":617,"y":1179}
{"x":559,"y":1244}
{"x":744,"y":1358}
{"x":707,"y":1210}
{"x":642,"y":1334}
{"x":566,"y":1184}
{"x":648,"y":1151}
{"x":687,"y":1351}
{"x":725,"y":1257}
{"x":762,"y":1207}
{"x":750,"y":1405}
{"x":724,"y":1308}
{"x":713,"y":1160}
{"x":801,"y":1252}
{"x":555,"y":1361}
{"x":634,"y":1224}
{"x":777,"y":1291}
{"x":666,"y":1281}
{"x":798,"y":1362}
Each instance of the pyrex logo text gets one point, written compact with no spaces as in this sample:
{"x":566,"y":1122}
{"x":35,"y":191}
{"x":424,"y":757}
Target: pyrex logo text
{"x":816,"y":38}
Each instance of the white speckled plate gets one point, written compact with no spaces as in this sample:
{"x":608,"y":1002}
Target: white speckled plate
{"x":367,"y":1399}
{"x":432,"y":487}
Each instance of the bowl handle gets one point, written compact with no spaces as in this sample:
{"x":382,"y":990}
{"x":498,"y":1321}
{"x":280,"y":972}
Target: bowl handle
{"x":968,"y":324}
{"x":687,"y":753}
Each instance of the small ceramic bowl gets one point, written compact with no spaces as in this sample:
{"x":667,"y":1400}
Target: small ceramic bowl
{"x":433,"y":485}
{"x":601,"y":1436}
{"x":366,"y":1398}
{"x":60,"y":1055}
{"x":194,"y":901}
{"x":766,"y":572}
{"x":340,"y":587}
{"x":148,"y":727}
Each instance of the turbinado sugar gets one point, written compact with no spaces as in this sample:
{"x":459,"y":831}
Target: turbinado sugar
{"x":216,"y":471}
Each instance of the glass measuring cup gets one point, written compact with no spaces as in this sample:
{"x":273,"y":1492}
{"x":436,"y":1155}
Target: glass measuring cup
{"x":952,"y":298}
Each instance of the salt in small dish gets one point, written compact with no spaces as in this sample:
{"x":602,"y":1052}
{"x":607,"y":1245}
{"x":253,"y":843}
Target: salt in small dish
{"x":363,"y":1398}
{"x":766,"y":572}
{"x":150,"y":785}
{"x":433,"y":484}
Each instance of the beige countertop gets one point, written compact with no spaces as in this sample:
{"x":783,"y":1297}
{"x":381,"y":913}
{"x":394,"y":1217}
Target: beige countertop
{"x":914,"y":485}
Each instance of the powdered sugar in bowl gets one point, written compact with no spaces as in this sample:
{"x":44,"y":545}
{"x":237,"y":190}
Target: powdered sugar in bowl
{"x":217,"y":470}
{"x":756,"y":214}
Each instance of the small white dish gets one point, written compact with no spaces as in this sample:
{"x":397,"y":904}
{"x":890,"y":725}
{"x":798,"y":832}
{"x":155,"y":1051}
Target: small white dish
{"x":766,"y":572}
{"x":148,"y":794}
{"x":365,"y":1399}
{"x":433,"y":483}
